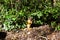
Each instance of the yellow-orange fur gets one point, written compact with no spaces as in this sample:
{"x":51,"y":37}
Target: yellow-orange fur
{"x":29,"y":22}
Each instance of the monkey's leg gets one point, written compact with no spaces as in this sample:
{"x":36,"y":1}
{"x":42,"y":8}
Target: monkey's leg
{"x":28,"y":27}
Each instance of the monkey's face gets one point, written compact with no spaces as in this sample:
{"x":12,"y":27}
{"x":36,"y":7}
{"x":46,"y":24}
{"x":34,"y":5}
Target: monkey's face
{"x":29,"y":21}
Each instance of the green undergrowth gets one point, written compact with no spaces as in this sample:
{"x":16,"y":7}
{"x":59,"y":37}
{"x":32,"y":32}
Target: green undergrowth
{"x":14,"y":13}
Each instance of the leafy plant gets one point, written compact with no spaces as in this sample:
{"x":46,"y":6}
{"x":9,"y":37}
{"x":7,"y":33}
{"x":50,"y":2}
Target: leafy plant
{"x":14,"y":13}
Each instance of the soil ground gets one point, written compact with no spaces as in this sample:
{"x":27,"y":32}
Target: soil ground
{"x":36,"y":33}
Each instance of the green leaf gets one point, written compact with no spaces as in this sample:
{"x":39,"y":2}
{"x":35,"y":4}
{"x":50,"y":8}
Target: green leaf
{"x":14,"y":19}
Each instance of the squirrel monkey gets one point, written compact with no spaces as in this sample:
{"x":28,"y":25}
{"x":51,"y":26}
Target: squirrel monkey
{"x":29,"y":22}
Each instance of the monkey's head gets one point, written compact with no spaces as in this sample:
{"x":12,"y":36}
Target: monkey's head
{"x":29,"y":21}
{"x":30,"y":18}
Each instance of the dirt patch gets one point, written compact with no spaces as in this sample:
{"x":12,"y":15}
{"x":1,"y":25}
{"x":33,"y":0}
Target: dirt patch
{"x":36,"y":33}
{"x":54,"y":36}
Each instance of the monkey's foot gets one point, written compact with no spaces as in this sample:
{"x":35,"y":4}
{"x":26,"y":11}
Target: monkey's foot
{"x":28,"y":29}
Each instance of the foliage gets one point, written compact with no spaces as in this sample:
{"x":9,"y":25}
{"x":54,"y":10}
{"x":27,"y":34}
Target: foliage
{"x":14,"y":13}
